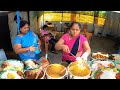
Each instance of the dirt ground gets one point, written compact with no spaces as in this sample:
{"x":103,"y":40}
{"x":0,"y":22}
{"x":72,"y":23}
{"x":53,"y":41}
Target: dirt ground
{"x":102,"y":44}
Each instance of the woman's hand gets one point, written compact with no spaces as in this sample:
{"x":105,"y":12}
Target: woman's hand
{"x":85,"y":56}
{"x":65,"y":48}
{"x":32,"y":48}
{"x":46,"y":38}
{"x":80,"y":60}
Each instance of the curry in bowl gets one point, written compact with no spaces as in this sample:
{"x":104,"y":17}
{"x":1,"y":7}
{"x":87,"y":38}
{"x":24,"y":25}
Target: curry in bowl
{"x":55,"y":70}
{"x":77,"y":69}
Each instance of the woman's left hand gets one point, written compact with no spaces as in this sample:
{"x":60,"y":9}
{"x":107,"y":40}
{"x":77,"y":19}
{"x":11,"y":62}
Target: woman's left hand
{"x":84,"y":56}
{"x":80,"y":60}
{"x":32,"y":48}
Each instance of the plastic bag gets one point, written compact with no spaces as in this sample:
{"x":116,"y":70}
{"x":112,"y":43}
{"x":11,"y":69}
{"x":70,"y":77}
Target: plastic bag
{"x":2,"y":55}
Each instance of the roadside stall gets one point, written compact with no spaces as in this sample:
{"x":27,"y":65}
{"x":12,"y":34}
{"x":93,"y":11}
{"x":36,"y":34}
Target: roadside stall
{"x":105,"y":66}
{"x":27,"y":69}
{"x":101,"y":66}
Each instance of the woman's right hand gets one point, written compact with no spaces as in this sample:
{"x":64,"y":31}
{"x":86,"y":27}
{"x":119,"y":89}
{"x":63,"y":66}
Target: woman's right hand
{"x":65,"y":48}
{"x":32,"y":48}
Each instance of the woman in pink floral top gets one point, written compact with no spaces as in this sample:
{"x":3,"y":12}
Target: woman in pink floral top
{"x":73,"y":42}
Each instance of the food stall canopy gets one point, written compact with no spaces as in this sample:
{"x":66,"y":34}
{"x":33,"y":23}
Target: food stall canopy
{"x":116,"y":11}
{"x":2,"y":13}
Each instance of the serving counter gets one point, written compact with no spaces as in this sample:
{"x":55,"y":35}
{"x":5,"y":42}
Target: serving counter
{"x":29,"y":69}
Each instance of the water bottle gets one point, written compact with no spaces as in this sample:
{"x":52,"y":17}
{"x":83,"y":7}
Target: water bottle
{"x":36,"y":45}
{"x":37,"y":51}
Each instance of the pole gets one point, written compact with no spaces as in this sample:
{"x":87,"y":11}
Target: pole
{"x":61,"y":21}
{"x":43,"y":18}
{"x":93,"y":22}
{"x":28,"y":16}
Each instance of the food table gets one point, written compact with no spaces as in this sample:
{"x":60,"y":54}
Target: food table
{"x":99,"y":66}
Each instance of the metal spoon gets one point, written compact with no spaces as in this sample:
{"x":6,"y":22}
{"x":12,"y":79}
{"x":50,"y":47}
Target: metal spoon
{"x":73,"y":55}
{"x":62,"y":71}
{"x":78,"y":57}
{"x":39,"y":70}
{"x":46,"y":56}
{"x":41,"y":67}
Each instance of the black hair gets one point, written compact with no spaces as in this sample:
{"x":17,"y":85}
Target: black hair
{"x":23,"y":23}
{"x":70,"y":26}
{"x":45,"y":26}
{"x":15,"y":18}
{"x":49,"y":34}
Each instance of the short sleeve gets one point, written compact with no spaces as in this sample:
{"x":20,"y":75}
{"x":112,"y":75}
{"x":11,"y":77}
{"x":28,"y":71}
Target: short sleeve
{"x":35,"y":35}
{"x":64,"y":37}
{"x":83,"y":38}
{"x":17,"y":40}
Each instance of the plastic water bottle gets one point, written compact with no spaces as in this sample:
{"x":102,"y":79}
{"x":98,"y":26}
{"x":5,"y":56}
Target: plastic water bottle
{"x":36,"y":45}
{"x":37,"y":51}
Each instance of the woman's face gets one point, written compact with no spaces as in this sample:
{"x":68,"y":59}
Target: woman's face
{"x":75,"y":30}
{"x":24,"y":29}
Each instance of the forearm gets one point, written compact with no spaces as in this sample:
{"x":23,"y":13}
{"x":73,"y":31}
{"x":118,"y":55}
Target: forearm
{"x":39,"y":41}
{"x":86,"y":54}
{"x":88,"y":51}
{"x":58,"y":46}
{"x":79,"y":54}
{"x":22,"y":50}
{"x":87,"y":48}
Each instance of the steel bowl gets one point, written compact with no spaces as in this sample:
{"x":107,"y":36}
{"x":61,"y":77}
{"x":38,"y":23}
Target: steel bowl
{"x":56,"y":71}
{"x":73,"y":76}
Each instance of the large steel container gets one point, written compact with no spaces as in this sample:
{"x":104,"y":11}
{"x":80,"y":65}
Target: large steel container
{"x":56,"y":71}
{"x":76,"y":72}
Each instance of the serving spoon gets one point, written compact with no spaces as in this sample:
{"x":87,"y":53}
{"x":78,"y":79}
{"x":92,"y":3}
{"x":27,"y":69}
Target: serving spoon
{"x":73,"y":55}
{"x":42,"y":66}
{"x":77,"y":58}
{"x":39,"y":70}
{"x":81,"y":64}
{"x":61,"y":71}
